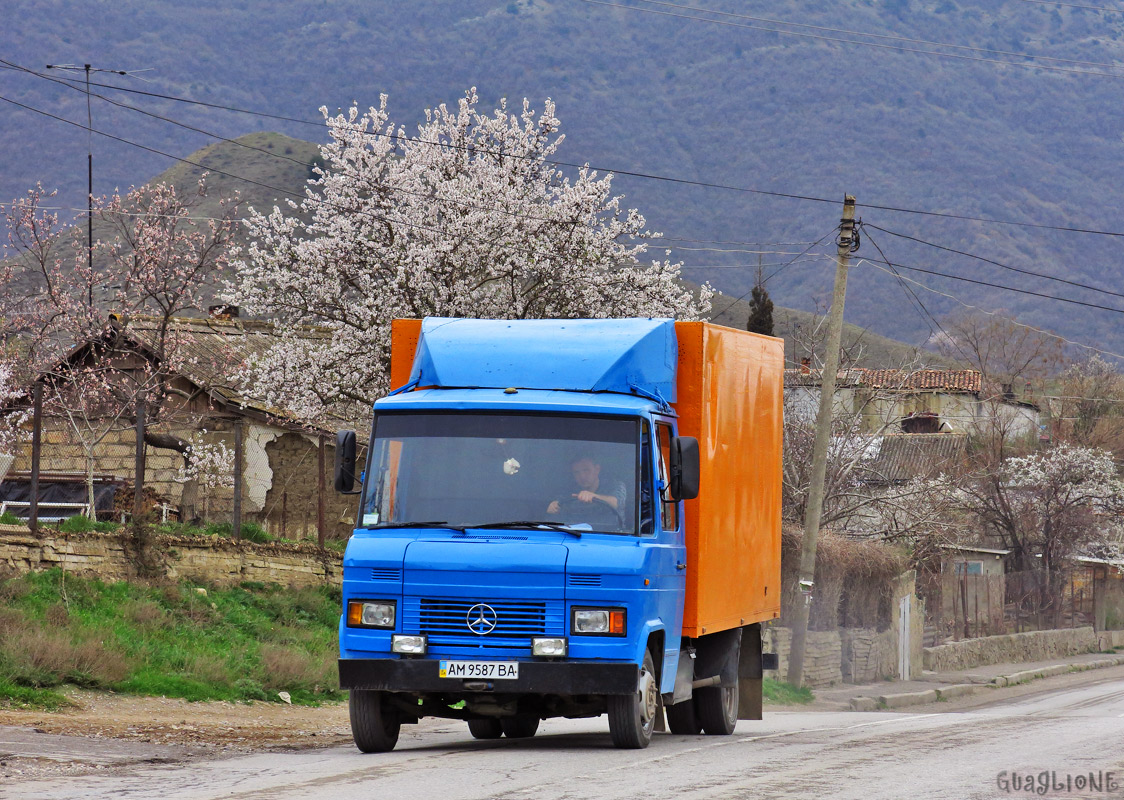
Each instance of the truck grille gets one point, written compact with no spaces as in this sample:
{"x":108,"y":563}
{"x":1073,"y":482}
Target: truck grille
{"x":450,"y":618}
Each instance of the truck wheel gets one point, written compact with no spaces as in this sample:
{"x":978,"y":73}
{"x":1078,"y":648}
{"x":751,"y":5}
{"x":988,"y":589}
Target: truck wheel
{"x":632,"y":716}
{"x":521,"y":726}
{"x":717,"y":707}
{"x":485,"y":728}
{"x":682,"y":719}
{"x":374,"y":722}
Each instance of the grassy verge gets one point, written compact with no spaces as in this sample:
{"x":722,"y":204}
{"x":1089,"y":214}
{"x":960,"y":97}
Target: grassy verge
{"x":239,"y":644}
{"x":251,"y":531}
{"x":786,"y":694}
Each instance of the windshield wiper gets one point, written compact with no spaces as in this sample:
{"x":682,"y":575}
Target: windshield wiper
{"x":533,"y":523}
{"x":435,"y":524}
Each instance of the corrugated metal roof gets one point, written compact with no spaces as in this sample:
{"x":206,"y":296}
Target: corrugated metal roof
{"x":905,"y":456}
{"x":951,"y":380}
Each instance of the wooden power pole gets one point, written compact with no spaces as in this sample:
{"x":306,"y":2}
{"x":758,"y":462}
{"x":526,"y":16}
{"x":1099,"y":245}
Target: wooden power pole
{"x":847,"y":243}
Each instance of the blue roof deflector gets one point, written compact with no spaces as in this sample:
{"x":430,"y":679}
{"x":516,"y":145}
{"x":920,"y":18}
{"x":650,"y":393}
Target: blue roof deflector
{"x":629,"y":356}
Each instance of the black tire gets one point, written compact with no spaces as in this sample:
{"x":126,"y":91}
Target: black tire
{"x":374,"y":722}
{"x":682,"y":719}
{"x":521,"y":726}
{"x":717,"y":709}
{"x":485,"y":728}
{"x":633,"y":716}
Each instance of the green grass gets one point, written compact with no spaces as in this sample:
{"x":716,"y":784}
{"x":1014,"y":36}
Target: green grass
{"x":80,"y":524}
{"x":29,"y":697}
{"x":8,"y":518}
{"x":244,"y":643}
{"x":786,"y":694}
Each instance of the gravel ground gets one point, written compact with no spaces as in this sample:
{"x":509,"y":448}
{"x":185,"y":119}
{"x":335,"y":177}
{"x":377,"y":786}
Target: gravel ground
{"x":160,"y":730}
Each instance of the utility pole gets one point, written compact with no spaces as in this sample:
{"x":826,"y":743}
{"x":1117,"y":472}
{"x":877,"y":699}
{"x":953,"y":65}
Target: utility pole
{"x":89,"y":168}
{"x":847,"y":242}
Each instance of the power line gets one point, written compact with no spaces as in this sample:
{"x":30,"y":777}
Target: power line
{"x":1006,"y":288}
{"x":902,"y":282}
{"x":890,"y":37}
{"x":265,"y":151}
{"x":749,"y":266}
{"x":852,"y":41}
{"x":765,"y":280}
{"x":246,"y":180}
{"x":1074,"y":5}
{"x":999,"y":263}
{"x":992,"y":313}
{"x":631,"y":173}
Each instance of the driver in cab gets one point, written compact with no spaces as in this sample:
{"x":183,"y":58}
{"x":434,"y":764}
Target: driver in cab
{"x":590,"y":488}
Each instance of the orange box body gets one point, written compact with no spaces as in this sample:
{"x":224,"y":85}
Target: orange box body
{"x":729,"y":387}
{"x":730,"y":397}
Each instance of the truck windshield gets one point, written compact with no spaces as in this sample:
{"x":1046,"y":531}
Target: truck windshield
{"x":509,"y":470}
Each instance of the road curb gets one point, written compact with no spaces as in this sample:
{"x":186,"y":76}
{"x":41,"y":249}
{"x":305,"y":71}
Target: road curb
{"x":902,"y":699}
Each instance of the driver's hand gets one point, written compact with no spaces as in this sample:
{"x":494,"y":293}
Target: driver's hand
{"x":553,"y":508}
{"x":585,"y":496}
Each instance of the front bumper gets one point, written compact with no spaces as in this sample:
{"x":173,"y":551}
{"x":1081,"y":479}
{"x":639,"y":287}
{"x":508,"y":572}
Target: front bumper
{"x":535,"y":677}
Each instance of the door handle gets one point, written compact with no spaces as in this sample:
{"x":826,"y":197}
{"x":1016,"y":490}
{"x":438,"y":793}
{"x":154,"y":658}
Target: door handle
{"x":681,"y":566}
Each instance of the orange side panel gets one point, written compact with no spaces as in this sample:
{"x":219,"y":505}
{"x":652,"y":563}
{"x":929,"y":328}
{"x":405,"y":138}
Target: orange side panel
{"x":730,"y":396}
{"x":404,"y":336}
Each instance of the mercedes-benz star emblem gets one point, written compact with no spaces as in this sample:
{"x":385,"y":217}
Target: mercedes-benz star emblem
{"x":482,"y":619}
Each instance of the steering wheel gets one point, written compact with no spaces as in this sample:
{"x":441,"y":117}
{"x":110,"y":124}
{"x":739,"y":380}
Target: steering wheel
{"x":575,"y":511}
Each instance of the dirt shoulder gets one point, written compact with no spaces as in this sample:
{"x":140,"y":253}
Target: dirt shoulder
{"x":161,"y":730}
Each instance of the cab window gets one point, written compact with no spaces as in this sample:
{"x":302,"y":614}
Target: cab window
{"x":669,"y":509}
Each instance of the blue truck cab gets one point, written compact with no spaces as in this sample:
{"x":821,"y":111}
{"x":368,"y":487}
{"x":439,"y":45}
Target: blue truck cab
{"x":520,"y":549}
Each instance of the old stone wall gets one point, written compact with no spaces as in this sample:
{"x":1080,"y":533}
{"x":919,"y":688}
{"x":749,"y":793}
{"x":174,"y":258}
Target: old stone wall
{"x":1011,"y":648}
{"x":822,"y":655}
{"x":204,"y":559}
{"x":289,"y":508}
{"x":868,"y":655}
{"x":280,"y":479}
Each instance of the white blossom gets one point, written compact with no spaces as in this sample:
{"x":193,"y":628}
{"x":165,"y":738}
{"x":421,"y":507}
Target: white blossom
{"x":210,"y":464}
{"x":466,"y":218}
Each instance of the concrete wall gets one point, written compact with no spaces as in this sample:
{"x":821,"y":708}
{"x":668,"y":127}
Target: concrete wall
{"x":1011,"y":648}
{"x":202,"y":559}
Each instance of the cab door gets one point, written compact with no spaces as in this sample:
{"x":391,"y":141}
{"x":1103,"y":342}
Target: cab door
{"x":670,"y":551}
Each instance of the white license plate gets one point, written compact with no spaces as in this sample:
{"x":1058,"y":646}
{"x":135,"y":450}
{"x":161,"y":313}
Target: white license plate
{"x":479,"y":669}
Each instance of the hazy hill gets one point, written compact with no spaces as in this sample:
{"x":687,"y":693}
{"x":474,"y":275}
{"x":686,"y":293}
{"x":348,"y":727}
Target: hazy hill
{"x":661,"y":94}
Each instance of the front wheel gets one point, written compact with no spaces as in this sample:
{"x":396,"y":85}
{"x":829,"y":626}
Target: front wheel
{"x":717,"y":707}
{"x":374,"y":722}
{"x":633,"y":716}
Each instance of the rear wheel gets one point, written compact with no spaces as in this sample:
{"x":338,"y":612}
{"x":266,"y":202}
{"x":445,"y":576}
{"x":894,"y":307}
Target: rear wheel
{"x":682,"y":719}
{"x":717,"y":708}
{"x":374,"y":722}
{"x":485,"y":728}
{"x":521,"y":726}
{"x":633,"y":716}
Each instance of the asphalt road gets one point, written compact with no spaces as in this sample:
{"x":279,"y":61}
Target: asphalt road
{"x":1071,"y":725}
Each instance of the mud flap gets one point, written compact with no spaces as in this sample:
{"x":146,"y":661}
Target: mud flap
{"x":750,"y":674}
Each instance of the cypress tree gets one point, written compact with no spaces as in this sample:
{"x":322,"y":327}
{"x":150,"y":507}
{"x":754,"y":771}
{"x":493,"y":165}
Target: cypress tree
{"x":760,"y":311}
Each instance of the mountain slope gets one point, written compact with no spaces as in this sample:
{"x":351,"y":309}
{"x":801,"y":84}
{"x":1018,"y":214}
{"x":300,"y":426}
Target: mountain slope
{"x":661,"y":94}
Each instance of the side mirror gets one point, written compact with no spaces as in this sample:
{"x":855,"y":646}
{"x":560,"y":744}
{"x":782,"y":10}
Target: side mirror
{"x":345,"y":462}
{"x":684,"y":468}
